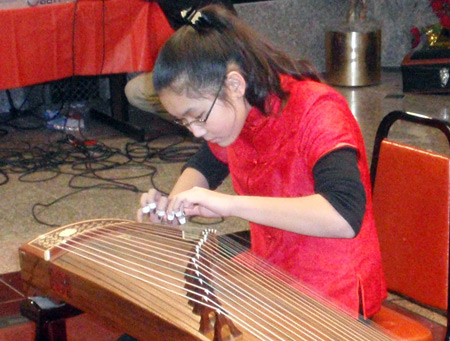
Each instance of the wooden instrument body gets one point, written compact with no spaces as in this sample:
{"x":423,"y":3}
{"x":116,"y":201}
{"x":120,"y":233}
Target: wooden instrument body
{"x":100,"y":291}
{"x":147,"y":298}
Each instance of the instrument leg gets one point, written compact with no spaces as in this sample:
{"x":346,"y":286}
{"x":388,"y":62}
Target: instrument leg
{"x":48,"y":316}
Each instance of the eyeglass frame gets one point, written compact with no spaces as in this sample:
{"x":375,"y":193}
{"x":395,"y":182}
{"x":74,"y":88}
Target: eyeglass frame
{"x":200,"y":121}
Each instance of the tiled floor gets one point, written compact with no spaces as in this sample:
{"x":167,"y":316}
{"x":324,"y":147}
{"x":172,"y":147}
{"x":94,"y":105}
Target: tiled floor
{"x":369,"y":105}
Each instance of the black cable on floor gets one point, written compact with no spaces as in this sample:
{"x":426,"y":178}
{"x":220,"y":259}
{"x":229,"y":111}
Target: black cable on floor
{"x":78,"y":159}
{"x":4,"y":177}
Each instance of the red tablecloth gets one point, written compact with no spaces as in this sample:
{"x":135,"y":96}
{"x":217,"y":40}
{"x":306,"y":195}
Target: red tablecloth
{"x":90,"y":37}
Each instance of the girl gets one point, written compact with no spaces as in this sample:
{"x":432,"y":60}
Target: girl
{"x":292,"y":147}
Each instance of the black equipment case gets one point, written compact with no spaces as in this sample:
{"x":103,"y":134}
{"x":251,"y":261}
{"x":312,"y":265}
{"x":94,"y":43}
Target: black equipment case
{"x":427,"y":71}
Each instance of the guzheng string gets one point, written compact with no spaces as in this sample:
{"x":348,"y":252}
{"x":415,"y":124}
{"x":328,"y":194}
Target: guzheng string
{"x":266,"y":268}
{"x":145,"y":251}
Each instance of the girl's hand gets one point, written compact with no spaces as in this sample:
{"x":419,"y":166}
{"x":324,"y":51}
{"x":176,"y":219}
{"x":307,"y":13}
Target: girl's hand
{"x":202,"y":202}
{"x":153,"y":207}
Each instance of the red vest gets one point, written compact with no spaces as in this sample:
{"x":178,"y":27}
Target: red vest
{"x":274,"y":156}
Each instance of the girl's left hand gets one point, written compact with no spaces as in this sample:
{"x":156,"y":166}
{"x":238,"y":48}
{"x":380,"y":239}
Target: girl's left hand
{"x":202,"y":202}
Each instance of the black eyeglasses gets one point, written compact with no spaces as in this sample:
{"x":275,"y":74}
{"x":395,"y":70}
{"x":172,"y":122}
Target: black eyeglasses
{"x":199,"y":121}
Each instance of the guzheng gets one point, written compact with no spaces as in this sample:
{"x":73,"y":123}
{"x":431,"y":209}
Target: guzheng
{"x":156,"y":282}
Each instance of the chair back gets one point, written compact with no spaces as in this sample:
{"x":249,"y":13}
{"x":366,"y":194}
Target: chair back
{"x":411,"y":206}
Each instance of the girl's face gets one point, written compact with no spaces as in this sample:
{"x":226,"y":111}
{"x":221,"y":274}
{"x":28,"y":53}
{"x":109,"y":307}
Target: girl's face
{"x":210,"y":118}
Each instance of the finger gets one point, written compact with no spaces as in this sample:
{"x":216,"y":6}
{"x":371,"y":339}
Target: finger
{"x":149,"y":202}
{"x":144,"y":209}
{"x":175,"y":204}
{"x":180,"y":215}
{"x":170,"y":216}
{"x":148,"y":208}
{"x":161,"y":208}
{"x":170,"y":213}
{"x":182,"y":219}
{"x":175,"y":210}
{"x":139,"y":215}
{"x":151,"y":196}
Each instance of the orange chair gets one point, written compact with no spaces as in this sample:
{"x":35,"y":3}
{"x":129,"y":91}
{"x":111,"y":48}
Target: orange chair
{"x":411,"y":206}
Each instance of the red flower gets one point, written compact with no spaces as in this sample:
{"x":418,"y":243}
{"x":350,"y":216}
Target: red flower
{"x":416,"y":37}
{"x":437,"y":5}
{"x":442,"y":10}
{"x":445,"y":21}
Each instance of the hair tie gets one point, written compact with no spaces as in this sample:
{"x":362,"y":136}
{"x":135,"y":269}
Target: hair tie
{"x":198,"y":20}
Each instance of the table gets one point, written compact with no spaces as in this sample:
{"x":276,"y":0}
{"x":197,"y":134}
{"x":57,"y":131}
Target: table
{"x":88,"y":37}
{"x":83,"y":38}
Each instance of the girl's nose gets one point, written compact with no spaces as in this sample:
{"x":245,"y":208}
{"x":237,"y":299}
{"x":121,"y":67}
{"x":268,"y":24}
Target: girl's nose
{"x":197,"y":130}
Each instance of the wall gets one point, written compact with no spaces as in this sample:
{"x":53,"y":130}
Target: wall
{"x":299,"y":26}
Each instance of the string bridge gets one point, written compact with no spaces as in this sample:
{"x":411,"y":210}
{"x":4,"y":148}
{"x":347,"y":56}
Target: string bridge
{"x":215,"y":322}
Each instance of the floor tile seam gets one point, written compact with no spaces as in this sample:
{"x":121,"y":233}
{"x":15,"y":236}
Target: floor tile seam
{"x":11,"y":287}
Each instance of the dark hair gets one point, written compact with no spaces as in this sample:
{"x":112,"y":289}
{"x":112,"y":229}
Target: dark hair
{"x":197,"y":56}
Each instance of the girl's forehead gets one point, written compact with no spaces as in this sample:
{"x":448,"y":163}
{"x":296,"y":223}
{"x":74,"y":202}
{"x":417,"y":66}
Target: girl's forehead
{"x":176,"y":102}
{"x":169,"y":97}
{"x":187,"y":92}
{"x":170,"y":94}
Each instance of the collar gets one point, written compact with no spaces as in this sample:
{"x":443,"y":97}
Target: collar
{"x":256,"y":119}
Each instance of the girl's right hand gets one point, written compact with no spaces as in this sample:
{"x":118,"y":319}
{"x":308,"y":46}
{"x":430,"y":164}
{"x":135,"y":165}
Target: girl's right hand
{"x":153,"y":207}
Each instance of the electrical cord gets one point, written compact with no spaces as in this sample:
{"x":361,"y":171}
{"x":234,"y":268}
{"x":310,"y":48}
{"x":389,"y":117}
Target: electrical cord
{"x":88,"y":165}
{"x":4,"y":177}
{"x":85,"y":161}
{"x":35,"y":207}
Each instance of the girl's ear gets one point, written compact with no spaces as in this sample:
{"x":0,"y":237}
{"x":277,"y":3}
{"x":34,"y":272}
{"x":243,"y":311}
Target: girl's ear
{"x":236,"y":84}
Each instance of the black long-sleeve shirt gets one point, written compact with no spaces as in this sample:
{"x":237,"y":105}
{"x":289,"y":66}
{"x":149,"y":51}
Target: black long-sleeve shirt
{"x":336,"y":178}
